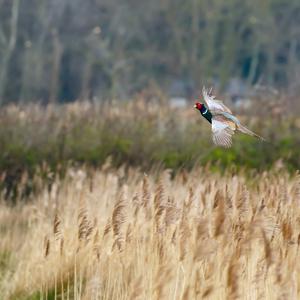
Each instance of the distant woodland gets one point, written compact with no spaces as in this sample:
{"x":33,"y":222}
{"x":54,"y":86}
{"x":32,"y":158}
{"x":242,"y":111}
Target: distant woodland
{"x":63,"y":50}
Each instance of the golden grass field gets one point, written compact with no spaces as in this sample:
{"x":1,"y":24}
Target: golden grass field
{"x":122,"y":234}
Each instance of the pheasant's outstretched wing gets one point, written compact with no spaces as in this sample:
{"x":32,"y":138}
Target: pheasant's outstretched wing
{"x":214,"y":105}
{"x":222,"y":131}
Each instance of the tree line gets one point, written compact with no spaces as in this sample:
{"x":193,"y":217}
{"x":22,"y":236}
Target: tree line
{"x":63,"y":50}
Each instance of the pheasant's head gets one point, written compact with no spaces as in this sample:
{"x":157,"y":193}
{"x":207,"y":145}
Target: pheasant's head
{"x":198,"y":105}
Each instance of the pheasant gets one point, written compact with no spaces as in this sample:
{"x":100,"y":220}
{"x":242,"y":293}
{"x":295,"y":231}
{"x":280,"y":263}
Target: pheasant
{"x":223,"y":123}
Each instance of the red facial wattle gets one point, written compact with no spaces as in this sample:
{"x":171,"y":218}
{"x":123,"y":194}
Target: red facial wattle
{"x":198,"y":105}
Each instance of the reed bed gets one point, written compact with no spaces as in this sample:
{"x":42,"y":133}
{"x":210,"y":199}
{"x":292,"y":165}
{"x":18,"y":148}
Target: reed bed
{"x":142,"y":132}
{"x":123,"y":234}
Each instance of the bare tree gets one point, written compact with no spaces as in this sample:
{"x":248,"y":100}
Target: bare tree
{"x":8,"y":44}
{"x":57,"y":54}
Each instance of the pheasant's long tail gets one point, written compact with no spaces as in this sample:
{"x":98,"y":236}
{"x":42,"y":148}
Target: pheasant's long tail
{"x":245,"y":130}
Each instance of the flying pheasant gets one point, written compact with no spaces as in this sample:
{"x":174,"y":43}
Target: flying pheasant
{"x":223,"y":123}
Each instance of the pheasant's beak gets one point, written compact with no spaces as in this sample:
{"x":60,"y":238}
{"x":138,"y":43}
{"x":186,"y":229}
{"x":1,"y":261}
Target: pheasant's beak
{"x":195,"y":106}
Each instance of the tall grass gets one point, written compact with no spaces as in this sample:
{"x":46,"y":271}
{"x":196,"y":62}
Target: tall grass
{"x":122,"y":234}
{"x":36,"y":139}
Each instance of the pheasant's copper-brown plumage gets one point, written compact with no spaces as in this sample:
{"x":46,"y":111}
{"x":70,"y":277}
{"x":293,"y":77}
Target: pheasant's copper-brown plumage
{"x":224,"y":123}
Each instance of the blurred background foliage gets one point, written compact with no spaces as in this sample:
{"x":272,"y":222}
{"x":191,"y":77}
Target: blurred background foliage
{"x":63,"y":50}
{"x":45,"y":141}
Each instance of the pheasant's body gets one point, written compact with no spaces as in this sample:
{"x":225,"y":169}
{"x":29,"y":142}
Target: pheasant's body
{"x":224,"y":123}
